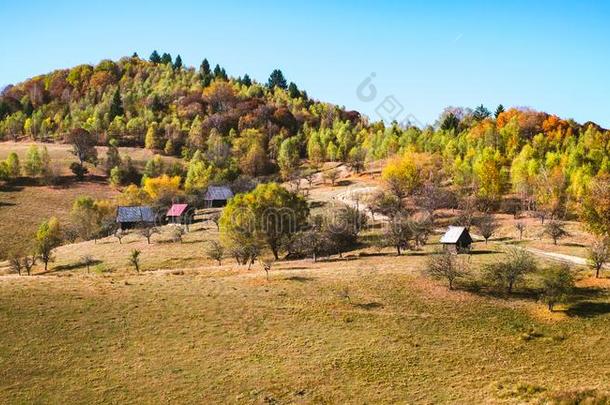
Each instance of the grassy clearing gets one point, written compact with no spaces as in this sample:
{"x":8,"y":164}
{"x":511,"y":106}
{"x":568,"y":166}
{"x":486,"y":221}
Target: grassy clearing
{"x":23,"y":208}
{"x":222,"y":334}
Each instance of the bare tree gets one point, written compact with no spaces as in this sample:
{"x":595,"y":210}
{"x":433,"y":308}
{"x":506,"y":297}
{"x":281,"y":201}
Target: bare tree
{"x":520,"y":228}
{"x":28,"y":262}
{"x":599,"y":255}
{"x":120,"y":234}
{"x":215,"y":251}
{"x":446,"y":266}
{"x":15,"y":264}
{"x":215,"y":218}
{"x":87,"y":260}
{"x":148,"y":232}
{"x":266,"y":265}
{"x":512,"y":270}
{"x":331,"y":175}
{"x":177,"y":233}
{"x":555,"y":230}
{"x":488,"y":226}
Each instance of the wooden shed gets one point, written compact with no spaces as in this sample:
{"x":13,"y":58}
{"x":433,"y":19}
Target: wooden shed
{"x":457,"y":239}
{"x":131,"y":217}
{"x":178,"y":214}
{"x":217,"y":196}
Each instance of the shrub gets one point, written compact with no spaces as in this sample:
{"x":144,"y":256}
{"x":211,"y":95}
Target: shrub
{"x":557,"y":284}
{"x":511,"y":271}
{"x":446,"y":266}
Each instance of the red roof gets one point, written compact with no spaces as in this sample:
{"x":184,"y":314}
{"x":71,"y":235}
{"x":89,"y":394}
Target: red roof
{"x":176,"y":210}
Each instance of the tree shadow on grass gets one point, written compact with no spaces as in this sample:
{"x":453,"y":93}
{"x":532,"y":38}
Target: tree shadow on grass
{"x":299,"y":279}
{"x":369,"y":305}
{"x":72,"y":266}
{"x":483,"y":252}
{"x":7,"y":204}
{"x":589,"y":309}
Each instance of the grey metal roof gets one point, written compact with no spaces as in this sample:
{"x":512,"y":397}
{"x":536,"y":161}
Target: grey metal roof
{"x":453,"y":234}
{"x":135,"y":214}
{"x":218,"y":193}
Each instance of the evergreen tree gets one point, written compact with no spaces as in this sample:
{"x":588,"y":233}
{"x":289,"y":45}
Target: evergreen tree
{"x":204,"y":68}
{"x":178,"y":63}
{"x":116,"y":106}
{"x":450,"y":122}
{"x":166,"y":58}
{"x":246,"y":81}
{"x":480,"y":113}
{"x":499,"y":111}
{"x":135,"y":55}
{"x":293,"y":90}
{"x":276,"y":79}
{"x":154,"y":57}
{"x":205,"y":73}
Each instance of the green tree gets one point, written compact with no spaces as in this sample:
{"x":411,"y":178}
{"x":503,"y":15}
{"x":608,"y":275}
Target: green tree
{"x":166,"y":58}
{"x":499,"y":111}
{"x":154,"y":57}
{"x":512,"y":270}
{"x":178,"y":63}
{"x":269,"y":213}
{"x":13,"y":167}
{"x":33,"y":162}
{"x":48,"y":237}
{"x":289,"y":157}
{"x":276,"y":79}
{"x":151,"y":141}
{"x":293,"y":90}
{"x":557,"y":284}
{"x":116,"y":106}
{"x":113,"y":158}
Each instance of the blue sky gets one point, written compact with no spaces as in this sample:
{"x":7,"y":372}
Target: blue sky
{"x":426,"y":55}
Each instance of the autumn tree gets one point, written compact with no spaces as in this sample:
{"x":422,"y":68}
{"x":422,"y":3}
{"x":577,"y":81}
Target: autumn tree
{"x":595,"y":210}
{"x":555,"y":230}
{"x":269,"y":213}
{"x":83,"y":147}
{"x":598,"y":255}
{"x":48,"y":237}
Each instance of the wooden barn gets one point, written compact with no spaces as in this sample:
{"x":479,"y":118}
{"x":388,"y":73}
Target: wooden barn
{"x":132,"y":217}
{"x":457,"y":239}
{"x":217,"y":196}
{"x":178,"y":214}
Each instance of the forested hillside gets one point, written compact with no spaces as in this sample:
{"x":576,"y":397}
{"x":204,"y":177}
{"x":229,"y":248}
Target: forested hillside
{"x":241,"y":127}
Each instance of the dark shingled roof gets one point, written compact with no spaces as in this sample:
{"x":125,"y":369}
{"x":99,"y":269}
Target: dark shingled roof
{"x":218,"y":193}
{"x":135,"y":214}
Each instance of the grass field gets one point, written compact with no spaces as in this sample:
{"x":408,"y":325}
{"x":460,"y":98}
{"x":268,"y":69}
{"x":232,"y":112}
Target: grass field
{"x":23,"y":208}
{"x":223,"y":334}
{"x":369,"y":328}
{"x":24,"y":205}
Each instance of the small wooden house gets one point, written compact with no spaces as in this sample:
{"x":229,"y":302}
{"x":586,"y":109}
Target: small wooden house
{"x":217,"y":196}
{"x":178,"y":214}
{"x":131,"y":217}
{"x":457,"y":239}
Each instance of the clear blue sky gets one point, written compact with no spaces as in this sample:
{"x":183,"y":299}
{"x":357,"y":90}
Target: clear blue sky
{"x":549,"y":55}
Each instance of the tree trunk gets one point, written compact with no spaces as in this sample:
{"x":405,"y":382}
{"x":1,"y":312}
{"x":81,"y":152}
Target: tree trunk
{"x":597,"y":272}
{"x":398,"y":249}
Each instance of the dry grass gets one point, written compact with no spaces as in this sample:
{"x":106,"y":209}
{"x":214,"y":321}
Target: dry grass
{"x":223,"y":334}
{"x":23,"y":208}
